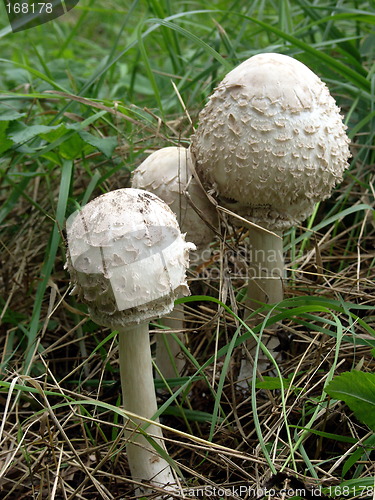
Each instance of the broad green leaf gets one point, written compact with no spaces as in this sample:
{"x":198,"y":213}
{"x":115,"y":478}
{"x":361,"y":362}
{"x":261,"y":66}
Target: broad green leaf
{"x":3,"y":126}
{"x":85,"y":123}
{"x":54,"y":133}
{"x":105,"y":145}
{"x":357,"y":390}
{"x":9,"y":115}
{"x":72,"y":147}
{"x":5,"y":143}
{"x":26,"y":133}
{"x":54,"y":158}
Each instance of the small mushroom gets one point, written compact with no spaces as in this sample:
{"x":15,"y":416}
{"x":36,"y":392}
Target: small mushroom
{"x":168,"y":173}
{"x":270,"y":144}
{"x":127,"y":260}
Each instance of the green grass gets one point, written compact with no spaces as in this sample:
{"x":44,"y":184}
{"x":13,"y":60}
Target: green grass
{"x":83,"y":99}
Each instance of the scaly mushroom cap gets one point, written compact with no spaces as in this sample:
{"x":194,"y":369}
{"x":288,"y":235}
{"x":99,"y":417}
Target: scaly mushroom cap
{"x":127,"y":257}
{"x":167,"y":173}
{"x":271,"y":142}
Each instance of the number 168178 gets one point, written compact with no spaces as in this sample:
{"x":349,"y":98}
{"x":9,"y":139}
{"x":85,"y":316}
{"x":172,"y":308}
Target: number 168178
{"x":30,"y":8}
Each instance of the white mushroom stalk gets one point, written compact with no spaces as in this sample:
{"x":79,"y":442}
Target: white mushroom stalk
{"x":168,"y":173}
{"x":270,"y":144}
{"x":127,"y":260}
{"x":265,"y":286}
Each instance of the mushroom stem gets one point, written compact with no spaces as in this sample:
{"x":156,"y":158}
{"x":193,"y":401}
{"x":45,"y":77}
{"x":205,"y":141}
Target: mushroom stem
{"x":139,"y":397}
{"x":265,"y":286}
{"x":169,"y":358}
{"x":266,"y":269}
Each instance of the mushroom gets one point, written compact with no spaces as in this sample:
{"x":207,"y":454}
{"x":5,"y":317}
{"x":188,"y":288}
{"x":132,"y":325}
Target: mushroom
{"x":168,"y":173}
{"x":270,"y":144}
{"x":127,"y":260}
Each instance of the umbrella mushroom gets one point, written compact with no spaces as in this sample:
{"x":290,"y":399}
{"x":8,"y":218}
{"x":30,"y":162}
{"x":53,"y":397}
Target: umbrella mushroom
{"x":270,"y":144}
{"x":167,"y":173}
{"x":127,"y":260}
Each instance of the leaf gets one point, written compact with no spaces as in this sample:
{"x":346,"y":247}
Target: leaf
{"x":10,"y":114}
{"x":72,"y":147}
{"x":5,"y":143}
{"x":27,"y":133}
{"x":105,"y":145}
{"x":85,"y":123}
{"x":357,"y":390}
{"x":55,"y":133}
{"x":3,"y":127}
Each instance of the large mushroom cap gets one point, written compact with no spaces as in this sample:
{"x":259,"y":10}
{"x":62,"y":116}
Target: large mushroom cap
{"x":271,"y":142}
{"x":127,"y":257}
{"x":167,"y":173}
